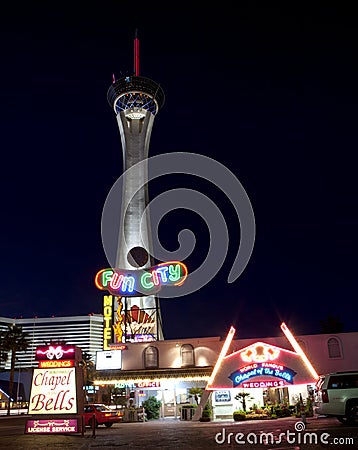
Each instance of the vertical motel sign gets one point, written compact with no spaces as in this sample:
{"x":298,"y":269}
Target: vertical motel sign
{"x":107,"y":321}
{"x":56,"y":398}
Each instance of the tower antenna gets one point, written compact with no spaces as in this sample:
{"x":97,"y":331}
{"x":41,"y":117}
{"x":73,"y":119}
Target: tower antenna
{"x":136,"y":53}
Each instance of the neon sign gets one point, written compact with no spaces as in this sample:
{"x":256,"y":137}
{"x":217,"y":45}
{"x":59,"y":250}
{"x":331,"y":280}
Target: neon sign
{"x":117,"y":326}
{"x":134,"y":283}
{"x":107,"y":319}
{"x":141,"y":338}
{"x":262,"y":369}
{"x":117,"y":347}
{"x":55,"y":352}
{"x":54,"y":363}
{"x":51,"y":426}
{"x":263,"y":384}
{"x":147,"y":384}
{"x":299,"y":350}
{"x":260,"y":352}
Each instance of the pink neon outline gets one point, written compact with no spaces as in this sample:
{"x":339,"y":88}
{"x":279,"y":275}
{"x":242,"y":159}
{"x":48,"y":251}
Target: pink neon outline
{"x":116,"y":284}
{"x":155,"y":278}
{"x":40,"y":352}
{"x":70,"y":362}
{"x":223,"y":352}
{"x":298,"y":350}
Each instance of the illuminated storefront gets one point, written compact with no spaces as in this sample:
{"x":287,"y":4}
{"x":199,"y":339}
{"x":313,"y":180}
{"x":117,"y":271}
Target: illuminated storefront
{"x":273,"y":369}
{"x":163,"y":369}
{"x":171,"y":367}
{"x":267,"y":373}
{"x":171,"y":387}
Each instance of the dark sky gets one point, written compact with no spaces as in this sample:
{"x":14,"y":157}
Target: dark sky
{"x":269,"y":92}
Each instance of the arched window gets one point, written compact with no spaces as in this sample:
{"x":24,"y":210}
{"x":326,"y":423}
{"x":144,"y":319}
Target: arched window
{"x":151,"y":360}
{"x":187,"y":355}
{"x":334,"y":348}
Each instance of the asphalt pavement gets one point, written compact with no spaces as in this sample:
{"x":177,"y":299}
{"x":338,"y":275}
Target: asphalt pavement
{"x":281,"y":434}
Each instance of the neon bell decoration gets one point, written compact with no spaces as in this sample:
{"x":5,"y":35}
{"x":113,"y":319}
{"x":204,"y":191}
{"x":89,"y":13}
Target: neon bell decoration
{"x":134,"y":283}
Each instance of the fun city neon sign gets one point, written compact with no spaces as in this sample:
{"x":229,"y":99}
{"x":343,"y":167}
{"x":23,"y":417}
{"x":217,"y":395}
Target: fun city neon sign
{"x":134,"y":283}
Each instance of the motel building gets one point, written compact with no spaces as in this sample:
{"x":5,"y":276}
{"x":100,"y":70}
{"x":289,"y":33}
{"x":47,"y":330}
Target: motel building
{"x":272,"y":370}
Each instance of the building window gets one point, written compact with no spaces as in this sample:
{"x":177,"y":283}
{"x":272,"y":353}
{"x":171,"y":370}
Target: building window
{"x":334,"y":348}
{"x":187,"y":355}
{"x":151,"y":360}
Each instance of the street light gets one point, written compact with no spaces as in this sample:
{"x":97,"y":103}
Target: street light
{"x":18,"y":387}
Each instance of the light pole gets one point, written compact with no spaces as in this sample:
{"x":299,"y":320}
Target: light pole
{"x":18,"y":387}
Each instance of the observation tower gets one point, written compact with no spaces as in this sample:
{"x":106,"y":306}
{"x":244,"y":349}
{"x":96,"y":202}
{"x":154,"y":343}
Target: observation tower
{"x":135,"y":101}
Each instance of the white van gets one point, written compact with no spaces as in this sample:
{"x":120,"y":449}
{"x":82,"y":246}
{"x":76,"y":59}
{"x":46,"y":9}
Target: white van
{"x":337,"y":395}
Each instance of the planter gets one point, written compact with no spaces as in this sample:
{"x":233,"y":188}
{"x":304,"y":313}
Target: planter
{"x":239,"y":416}
{"x":204,"y":419}
{"x":187,"y":413}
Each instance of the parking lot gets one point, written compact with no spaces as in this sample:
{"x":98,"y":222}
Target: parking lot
{"x":175,"y":434}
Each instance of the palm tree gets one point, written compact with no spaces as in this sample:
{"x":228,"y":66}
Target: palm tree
{"x":242,"y":397}
{"x":88,"y":368}
{"x":196,"y":393}
{"x":13,"y":340}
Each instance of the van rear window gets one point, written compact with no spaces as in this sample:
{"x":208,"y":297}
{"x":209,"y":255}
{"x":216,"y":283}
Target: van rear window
{"x":343,"y":382}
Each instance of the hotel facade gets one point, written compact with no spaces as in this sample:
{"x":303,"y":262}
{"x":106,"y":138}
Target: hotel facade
{"x":85,"y":332}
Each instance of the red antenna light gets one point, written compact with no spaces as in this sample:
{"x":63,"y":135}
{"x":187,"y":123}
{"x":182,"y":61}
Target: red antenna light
{"x":136,"y":54}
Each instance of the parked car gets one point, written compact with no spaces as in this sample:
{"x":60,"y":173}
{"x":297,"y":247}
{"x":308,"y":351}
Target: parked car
{"x":101,"y":415}
{"x":337,"y":396}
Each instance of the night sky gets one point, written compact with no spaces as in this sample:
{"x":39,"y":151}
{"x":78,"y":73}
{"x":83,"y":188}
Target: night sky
{"x":269,"y":92}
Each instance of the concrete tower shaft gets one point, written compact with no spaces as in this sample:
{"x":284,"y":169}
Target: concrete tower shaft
{"x":136,"y":100}
{"x":135,"y":137}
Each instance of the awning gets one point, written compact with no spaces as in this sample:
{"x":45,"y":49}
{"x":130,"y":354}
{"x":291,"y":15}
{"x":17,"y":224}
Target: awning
{"x":178,"y":374}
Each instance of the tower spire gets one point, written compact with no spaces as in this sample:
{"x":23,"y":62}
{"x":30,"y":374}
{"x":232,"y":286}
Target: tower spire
{"x":136,"y":53}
